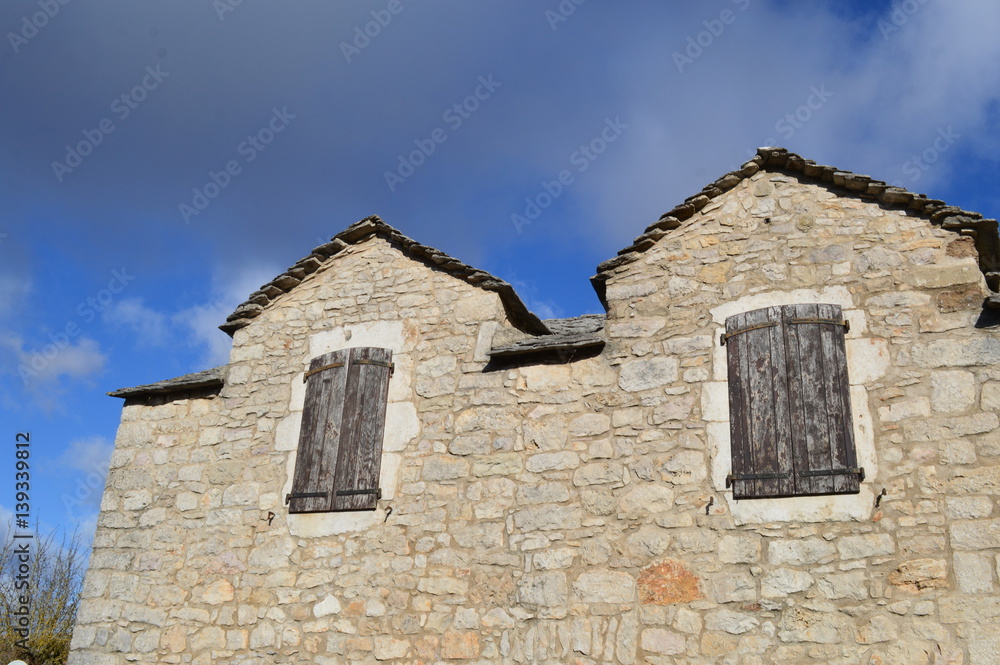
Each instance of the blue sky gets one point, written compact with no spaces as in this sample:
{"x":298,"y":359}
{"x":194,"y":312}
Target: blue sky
{"x":161,"y":160}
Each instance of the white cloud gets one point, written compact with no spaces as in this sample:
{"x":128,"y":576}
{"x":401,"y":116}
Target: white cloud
{"x":13,"y":288}
{"x":228,"y":291}
{"x":91,"y":455}
{"x":150,"y":326}
{"x":47,"y":364}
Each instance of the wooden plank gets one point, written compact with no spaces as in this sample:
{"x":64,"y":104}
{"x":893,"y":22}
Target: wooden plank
{"x":739,"y":423}
{"x":782,"y":437}
{"x":320,"y":434}
{"x":813,"y":452}
{"x":360,"y":455}
{"x":837,"y":390}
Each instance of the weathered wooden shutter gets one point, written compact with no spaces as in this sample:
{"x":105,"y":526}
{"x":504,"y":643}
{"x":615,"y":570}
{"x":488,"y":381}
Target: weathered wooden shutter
{"x":340,"y":442}
{"x":790,"y":413}
{"x":360,"y":455}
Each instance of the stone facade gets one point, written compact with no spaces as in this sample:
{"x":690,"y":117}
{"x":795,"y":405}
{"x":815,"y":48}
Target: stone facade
{"x":576,"y":511}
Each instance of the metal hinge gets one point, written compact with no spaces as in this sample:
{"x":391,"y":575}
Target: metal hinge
{"x":859,"y":472}
{"x":725,"y":336}
{"x":380,"y":363}
{"x":377,"y":492}
{"x":833,"y":322}
{"x":305,"y":377}
{"x":306,"y":495}
{"x":754,"y":476}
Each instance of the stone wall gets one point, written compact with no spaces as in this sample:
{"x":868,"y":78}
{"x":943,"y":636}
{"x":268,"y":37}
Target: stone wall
{"x":577,"y":512}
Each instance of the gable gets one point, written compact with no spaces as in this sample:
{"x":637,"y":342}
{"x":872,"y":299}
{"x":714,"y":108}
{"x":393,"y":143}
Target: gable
{"x":322,"y":258}
{"x":850,"y":190}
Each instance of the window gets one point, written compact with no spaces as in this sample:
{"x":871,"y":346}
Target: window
{"x":340,"y":444}
{"x":789,"y":403}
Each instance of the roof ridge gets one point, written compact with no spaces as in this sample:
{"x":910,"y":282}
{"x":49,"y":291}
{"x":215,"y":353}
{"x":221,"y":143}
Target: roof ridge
{"x":938,"y":212}
{"x":360,"y":231}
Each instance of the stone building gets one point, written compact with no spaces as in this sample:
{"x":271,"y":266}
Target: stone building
{"x":402,"y":464}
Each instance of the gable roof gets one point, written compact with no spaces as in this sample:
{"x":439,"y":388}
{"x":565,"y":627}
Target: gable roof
{"x":842,"y":183}
{"x":357,"y":233}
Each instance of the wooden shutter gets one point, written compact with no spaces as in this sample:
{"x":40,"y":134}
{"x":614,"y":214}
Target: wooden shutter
{"x":790,"y":414}
{"x":360,"y":455}
{"x":319,"y":438}
{"x":340,"y":443}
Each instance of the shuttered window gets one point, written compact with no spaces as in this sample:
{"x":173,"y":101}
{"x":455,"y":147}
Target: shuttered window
{"x":789,"y":403}
{"x":340,"y":443}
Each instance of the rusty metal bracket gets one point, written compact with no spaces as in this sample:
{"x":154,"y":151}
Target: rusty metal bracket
{"x":833,"y":322}
{"x":306,"y":495}
{"x":725,"y":336}
{"x":380,"y":363}
{"x":859,"y":472}
{"x":754,"y":476}
{"x":305,"y":377}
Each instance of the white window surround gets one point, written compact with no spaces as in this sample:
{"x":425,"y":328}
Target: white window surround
{"x":401,"y":425}
{"x":867,"y":360}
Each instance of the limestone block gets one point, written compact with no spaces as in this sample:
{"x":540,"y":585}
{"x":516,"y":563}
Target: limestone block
{"x":402,"y":425}
{"x":668,"y":582}
{"x":477,"y":444}
{"x":879,"y":628}
{"x":975,"y":535}
{"x":800,"y":551}
{"x":503,"y":464}
{"x":605,"y":586}
{"x":732,"y":587}
{"x":984,"y":644}
{"x":990,"y":399}
{"x":546,"y":378}
{"x":444,"y":468}
{"x":974,"y":572}
{"x":546,"y":594}
{"x":648,"y":542}
{"x":326,"y":607}
{"x":957,"y":352}
{"x":857,"y":547}
{"x":919,"y":574}
{"x":802,"y":625}
{"x":739,"y":548}
{"x":546,"y":493}
{"x":218,"y":592}
{"x":868,"y":359}
{"x":552,"y":461}
{"x":851,"y":585}
{"x":646,"y":499}
{"x":917,"y":407}
{"x":948,"y":274}
{"x":952,"y":391}
{"x":137,"y":500}
{"x":554,"y":559}
{"x":687,"y":466}
{"x":589,"y":424}
{"x":636,"y":327}
{"x":601,"y":473}
{"x":663,"y":642}
{"x":959,"y":452}
{"x":389,"y":648}
{"x":647,"y":373}
{"x":781,"y":582}
{"x":728,"y":621}
{"x":967,"y":507}
{"x":548,"y":517}
{"x":486,"y":418}
{"x":443,"y":586}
